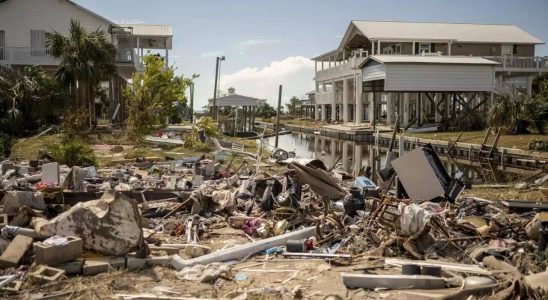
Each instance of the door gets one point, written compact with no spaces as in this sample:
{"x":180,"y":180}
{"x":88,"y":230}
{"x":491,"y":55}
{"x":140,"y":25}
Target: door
{"x":38,"y":43}
{"x":2,"y":44}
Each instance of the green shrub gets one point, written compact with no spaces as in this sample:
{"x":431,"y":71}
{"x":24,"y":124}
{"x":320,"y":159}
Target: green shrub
{"x":5,"y":145}
{"x":538,"y":145}
{"x":74,"y":153}
{"x":76,"y":123}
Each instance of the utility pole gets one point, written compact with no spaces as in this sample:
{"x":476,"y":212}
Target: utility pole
{"x":215,"y":109}
{"x":194,"y":76}
{"x":278,"y":116}
{"x":192,"y":103}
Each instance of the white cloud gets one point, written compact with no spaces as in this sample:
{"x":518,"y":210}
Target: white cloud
{"x":251,"y":43}
{"x":211,"y":53}
{"x":340,"y":36}
{"x":295,"y":73}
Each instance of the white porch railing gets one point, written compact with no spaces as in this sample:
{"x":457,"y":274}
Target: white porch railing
{"x":27,"y":56}
{"x":519,"y":63}
{"x":343,"y":70}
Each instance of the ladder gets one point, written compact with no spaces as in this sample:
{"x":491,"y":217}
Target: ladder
{"x":485,"y":156}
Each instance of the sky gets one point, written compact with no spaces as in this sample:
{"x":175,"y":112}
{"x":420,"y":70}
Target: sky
{"x":270,"y":43}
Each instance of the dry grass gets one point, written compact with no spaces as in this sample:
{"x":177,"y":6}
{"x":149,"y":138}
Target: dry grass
{"x":29,"y":148}
{"x":505,"y":193}
{"x":476,"y":137}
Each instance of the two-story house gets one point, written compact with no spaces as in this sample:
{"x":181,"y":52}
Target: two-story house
{"x":427,"y":72}
{"x":24,"y":24}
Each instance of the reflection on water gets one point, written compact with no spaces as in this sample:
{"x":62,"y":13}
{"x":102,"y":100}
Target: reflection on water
{"x":354,"y":156}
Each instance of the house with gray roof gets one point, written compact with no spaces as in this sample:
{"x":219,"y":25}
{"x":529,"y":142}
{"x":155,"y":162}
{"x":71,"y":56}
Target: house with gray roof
{"x":24,"y":24}
{"x":427,"y":72}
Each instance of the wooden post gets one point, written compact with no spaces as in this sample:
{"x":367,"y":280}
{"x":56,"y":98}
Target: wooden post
{"x":278,"y":116}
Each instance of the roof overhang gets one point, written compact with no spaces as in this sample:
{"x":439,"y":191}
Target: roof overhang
{"x":428,"y":59}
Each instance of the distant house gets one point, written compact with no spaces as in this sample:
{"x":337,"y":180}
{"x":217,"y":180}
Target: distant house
{"x":305,"y":107}
{"x":242,"y":112}
{"x":24,"y":24}
{"x":427,"y":72}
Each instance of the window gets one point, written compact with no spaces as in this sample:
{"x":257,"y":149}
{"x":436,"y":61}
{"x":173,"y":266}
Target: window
{"x":387,"y":50}
{"x":515,"y":49}
{"x":2,"y":44}
{"x":493,"y":51}
{"x":424,"y":48}
{"x":38,"y":43}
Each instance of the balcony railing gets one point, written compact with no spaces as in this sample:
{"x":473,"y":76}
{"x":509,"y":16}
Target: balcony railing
{"x":27,"y":56}
{"x":344,"y":69}
{"x":515,"y":63}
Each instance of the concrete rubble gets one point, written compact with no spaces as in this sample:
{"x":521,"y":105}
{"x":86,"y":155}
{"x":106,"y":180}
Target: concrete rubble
{"x":413,"y":235}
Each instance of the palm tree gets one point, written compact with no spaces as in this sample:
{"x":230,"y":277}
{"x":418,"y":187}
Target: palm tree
{"x":87,"y":58}
{"x":27,"y":96}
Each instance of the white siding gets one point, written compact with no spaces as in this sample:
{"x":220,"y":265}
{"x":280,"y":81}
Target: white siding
{"x":19,"y":17}
{"x":375,"y":72}
{"x":425,"y":77}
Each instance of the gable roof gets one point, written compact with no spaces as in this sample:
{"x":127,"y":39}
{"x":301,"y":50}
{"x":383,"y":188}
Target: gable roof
{"x":235,"y":100}
{"x":91,"y":13}
{"x":433,"y":31}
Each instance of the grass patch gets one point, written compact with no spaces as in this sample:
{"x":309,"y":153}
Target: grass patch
{"x":506,"y":193}
{"x":476,"y":137}
{"x":29,"y":148}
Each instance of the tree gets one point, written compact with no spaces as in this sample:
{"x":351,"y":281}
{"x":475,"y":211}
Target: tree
{"x":28,"y":97}
{"x":292,"y":105}
{"x":153,"y":96}
{"x":87,"y":58}
{"x":516,"y":111}
{"x":264,"y":110}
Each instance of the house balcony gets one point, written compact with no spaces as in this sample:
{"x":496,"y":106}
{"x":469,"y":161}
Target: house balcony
{"x":27,"y":56}
{"x":520,"y":64}
{"x":340,"y":69}
{"x":42,"y":57}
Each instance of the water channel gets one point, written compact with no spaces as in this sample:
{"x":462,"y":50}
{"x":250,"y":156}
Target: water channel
{"x":353,"y":156}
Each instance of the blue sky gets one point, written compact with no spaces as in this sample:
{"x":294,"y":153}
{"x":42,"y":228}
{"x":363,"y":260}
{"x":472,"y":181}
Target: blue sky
{"x":267,"y":43}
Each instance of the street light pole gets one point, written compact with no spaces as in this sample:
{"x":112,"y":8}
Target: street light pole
{"x":215,"y":110}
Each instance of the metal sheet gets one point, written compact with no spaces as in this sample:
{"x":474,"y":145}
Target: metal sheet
{"x":417,"y":176}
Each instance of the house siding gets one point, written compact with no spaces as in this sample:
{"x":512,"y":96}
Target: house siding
{"x":19,"y":17}
{"x":441,"y":77}
{"x":374,"y":72}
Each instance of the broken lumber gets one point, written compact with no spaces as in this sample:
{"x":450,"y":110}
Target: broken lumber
{"x":242,"y":251}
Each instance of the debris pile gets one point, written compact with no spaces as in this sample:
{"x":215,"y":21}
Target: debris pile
{"x":411,"y":233}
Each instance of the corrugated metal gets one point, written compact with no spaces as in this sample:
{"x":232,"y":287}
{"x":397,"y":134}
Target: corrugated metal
{"x":461,"y":32}
{"x":424,"y":77}
{"x":375,"y":72}
{"x":150,"y":30}
{"x":432,"y":59}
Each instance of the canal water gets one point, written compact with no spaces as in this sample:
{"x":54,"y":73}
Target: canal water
{"x":353,"y":156}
